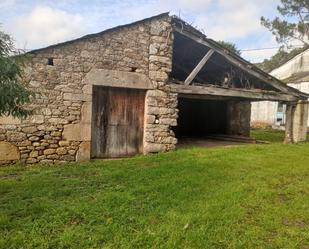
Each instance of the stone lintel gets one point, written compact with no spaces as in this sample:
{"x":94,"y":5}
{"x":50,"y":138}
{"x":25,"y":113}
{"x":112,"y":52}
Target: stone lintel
{"x":113,"y":78}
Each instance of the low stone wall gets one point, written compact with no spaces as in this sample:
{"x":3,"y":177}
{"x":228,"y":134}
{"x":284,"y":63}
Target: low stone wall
{"x":34,"y":143}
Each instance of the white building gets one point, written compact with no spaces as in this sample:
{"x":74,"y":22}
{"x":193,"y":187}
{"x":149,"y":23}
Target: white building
{"x":295,"y":73}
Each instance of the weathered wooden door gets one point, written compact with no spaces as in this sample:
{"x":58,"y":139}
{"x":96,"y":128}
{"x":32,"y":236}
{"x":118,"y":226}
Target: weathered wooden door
{"x":117,"y":122}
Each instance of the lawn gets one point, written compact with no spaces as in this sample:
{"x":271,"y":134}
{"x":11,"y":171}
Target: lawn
{"x":268,"y":135}
{"x":250,"y":196}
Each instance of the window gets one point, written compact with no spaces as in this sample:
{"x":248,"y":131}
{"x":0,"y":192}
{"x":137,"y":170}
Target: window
{"x":50,"y":61}
{"x":280,"y":115}
{"x":133,"y":69}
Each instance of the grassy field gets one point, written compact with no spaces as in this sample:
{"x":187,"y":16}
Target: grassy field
{"x":252,"y":196}
{"x":268,"y":135}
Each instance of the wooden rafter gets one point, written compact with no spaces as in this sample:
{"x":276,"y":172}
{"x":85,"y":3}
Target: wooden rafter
{"x":241,"y":65}
{"x":199,"y":79}
{"x":198,"y":67}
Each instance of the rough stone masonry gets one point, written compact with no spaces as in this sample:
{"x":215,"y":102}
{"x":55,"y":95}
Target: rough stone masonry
{"x":62,"y":76}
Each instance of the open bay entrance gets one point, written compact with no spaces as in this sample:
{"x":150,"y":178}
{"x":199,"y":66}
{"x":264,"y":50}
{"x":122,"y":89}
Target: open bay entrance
{"x":205,"y":121}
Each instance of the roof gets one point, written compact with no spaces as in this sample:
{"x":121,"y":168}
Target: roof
{"x":229,"y":54}
{"x":295,"y":70}
{"x":294,"y":57}
{"x":297,"y":78}
{"x":242,"y":62}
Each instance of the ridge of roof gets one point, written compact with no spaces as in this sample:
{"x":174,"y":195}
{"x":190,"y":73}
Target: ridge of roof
{"x":99,"y":33}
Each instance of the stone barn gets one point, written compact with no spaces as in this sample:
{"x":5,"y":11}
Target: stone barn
{"x":138,"y":88}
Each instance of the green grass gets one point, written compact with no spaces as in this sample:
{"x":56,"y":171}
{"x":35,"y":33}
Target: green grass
{"x":269,"y":135}
{"x":251,"y":196}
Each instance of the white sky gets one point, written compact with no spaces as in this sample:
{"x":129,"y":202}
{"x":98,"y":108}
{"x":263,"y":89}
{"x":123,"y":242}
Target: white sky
{"x":35,"y":24}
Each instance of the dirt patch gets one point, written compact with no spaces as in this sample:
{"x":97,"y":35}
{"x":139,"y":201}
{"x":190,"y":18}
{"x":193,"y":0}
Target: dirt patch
{"x":202,"y":142}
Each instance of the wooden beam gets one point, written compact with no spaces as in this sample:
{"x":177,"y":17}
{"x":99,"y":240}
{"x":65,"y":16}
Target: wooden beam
{"x":199,"y":79}
{"x":237,"y":63}
{"x":205,"y":97}
{"x":198,"y":67}
{"x":234,"y":93}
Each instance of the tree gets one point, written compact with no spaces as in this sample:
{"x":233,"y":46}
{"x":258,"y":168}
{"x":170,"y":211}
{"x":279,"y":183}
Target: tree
{"x":293,"y":23}
{"x":230,"y":46}
{"x":13,"y":92}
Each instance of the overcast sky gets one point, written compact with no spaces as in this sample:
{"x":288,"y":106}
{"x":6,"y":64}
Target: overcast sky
{"x":39,"y":23}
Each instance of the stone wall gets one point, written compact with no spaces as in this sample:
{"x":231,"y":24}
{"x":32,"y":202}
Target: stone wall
{"x":161,"y":115}
{"x":160,"y":105}
{"x":300,"y":121}
{"x":239,"y":113}
{"x":60,"y":128}
{"x":296,"y":122}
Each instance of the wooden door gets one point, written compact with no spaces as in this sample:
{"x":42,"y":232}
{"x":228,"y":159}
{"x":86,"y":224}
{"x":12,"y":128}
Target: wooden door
{"x":117,"y":122}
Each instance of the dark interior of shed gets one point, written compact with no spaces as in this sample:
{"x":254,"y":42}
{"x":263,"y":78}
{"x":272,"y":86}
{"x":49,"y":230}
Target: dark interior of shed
{"x":210,"y":122}
{"x":200,"y":117}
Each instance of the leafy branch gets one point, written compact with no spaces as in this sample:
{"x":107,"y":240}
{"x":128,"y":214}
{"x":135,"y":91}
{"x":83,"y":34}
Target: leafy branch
{"x":13,"y":92}
{"x":293,"y":23}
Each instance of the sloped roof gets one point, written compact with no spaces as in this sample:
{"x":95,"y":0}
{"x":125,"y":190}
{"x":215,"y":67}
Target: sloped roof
{"x":297,"y":78}
{"x":252,"y":69}
{"x":295,"y":70}
{"x":238,"y":60}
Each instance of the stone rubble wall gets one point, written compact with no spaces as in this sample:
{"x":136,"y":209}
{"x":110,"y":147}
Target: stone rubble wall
{"x":300,"y":121}
{"x":238,"y":116}
{"x":161,"y":105}
{"x":161,"y":115}
{"x":59,"y":130}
